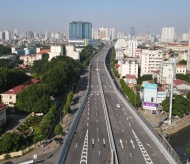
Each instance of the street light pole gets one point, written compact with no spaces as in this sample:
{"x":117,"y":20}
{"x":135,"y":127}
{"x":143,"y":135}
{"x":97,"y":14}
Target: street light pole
{"x":35,"y":155}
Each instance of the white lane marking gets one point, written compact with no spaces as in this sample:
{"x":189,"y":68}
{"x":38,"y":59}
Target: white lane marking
{"x":87,"y":118}
{"x":132,"y":143}
{"x":121,"y":143}
{"x":99,"y":152}
{"x":84,"y":154}
{"x":122,"y":130}
{"x":88,"y":109}
{"x":143,"y":150}
{"x":122,"y":109}
{"x":117,"y":115}
{"x":124,"y":113}
{"x":97,"y":86}
{"x":126,"y":141}
{"x":104,"y":141}
{"x":97,"y":129}
{"x":131,"y":155}
{"x":88,"y":113}
{"x":148,"y":145}
{"x":129,"y":124}
{"x":76,"y":145}
{"x":96,"y":114}
{"x":98,"y":139}
{"x":92,"y":141}
{"x":110,"y":86}
{"x":120,"y":122}
{"x":87,"y":124}
{"x":126,"y":118}
{"x":96,"y":120}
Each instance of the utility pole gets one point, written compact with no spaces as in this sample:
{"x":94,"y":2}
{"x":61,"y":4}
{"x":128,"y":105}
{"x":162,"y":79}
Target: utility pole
{"x":171,"y":91}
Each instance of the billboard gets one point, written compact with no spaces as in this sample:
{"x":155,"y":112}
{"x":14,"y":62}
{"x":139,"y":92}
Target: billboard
{"x":150,"y":96}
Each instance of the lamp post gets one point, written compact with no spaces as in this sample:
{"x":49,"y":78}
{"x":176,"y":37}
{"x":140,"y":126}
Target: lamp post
{"x":35,"y":155}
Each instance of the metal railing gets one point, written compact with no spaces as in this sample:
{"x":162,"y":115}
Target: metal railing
{"x":166,"y":148}
{"x":68,"y":138}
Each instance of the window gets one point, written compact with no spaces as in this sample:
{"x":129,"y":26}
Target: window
{"x":10,"y":97}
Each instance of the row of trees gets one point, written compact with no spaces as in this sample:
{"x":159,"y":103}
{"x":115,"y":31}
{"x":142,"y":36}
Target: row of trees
{"x":113,"y":62}
{"x":134,"y":97}
{"x":66,"y":108}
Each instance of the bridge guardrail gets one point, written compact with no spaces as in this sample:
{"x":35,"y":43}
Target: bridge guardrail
{"x":163,"y":145}
{"x":108,"y":123}
{"x":68,"y":138}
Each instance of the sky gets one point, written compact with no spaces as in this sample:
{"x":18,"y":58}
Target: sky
{"x":55,"y":15}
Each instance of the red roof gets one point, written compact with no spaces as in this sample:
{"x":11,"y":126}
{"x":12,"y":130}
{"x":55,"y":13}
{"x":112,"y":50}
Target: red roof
{"x":21,"y":87}
{"x":31,"y":81}
{"x":130,"y":77}
{"x":44,"y":51}
{"x":179,"y":82}
{"x":117,"y":65}
{"x":15,"y":90}
{"x":2,"y":106}
{"x":160,"y":89}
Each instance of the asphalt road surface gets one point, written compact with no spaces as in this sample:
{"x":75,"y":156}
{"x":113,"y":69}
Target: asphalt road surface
{"x":90,"y":143}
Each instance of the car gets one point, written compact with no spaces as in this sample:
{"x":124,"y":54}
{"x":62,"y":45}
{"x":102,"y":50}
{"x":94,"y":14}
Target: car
{"x":118,"y":105}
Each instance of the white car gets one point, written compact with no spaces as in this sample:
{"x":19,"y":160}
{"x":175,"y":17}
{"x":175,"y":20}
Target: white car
{"x":118,"y":105}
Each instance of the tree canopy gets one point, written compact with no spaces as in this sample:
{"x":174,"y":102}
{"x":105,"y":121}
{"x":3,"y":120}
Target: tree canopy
{"x":144,"y":78}
{"x":180,"y":105}
{"x":10,"y":142}
{"x":4,"y":50}
{"x":35,"y":98}
{"x":183,"y":77}
{"x":182,"y":62}
{"x":11,"y":78}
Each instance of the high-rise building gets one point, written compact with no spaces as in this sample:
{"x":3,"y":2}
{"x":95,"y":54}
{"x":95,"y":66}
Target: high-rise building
{"x":132,"y":31}
{"x":6,"y":35}
{"x":168,"y":34}
{"x":188,"y":57}
{"x":80,"y":30}
{"x":112,"y":34}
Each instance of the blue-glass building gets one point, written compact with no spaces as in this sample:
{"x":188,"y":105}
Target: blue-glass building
{"x":80,"y":30}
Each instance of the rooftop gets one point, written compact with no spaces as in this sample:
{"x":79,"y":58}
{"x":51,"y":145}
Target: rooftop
{"x":130,"y":76}
{"x":179,"y":82}
{"x":2,"y":106}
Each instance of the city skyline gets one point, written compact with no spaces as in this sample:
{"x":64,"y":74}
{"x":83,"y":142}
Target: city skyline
{"x":54,"y":16}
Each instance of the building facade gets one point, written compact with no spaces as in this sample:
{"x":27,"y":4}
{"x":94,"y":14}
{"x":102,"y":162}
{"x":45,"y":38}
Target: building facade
{"x":168,"y":34}
{"x":71,"y":52}
{"x":55,"y":51}
{"x":80,"y":30}
{"x":150,"y":61}
{"x":128,"y":66}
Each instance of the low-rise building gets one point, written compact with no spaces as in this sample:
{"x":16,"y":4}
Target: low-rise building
{"x":55,"y":51}
{"x":9,"y":97}
{"x":181,"y":84}
{"x":128,"y":66}
{"x":71,"y":52}
{"x":131,"y":81}
{"x":181,"y":69}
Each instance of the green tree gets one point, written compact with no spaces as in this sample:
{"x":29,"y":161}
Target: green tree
{"x":183,"y":77}
{"x":58,"y":129}
{"x":4,"y":50}
{"x":182,"y":62}
{"x":10,"y":142}
{"x":180,"y":105}
{"x":144,"y":78}
{"x":35,"y":98}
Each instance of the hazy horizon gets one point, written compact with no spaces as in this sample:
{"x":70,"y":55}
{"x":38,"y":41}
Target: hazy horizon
{"x":54,"y":16}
